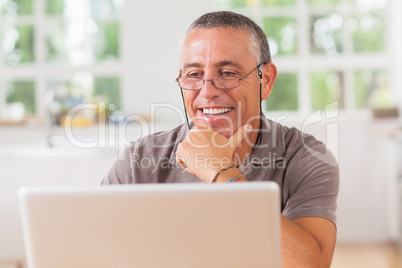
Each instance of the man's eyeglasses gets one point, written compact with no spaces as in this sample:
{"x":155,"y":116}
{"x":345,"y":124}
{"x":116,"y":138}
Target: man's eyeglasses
{"x":221,"y":82}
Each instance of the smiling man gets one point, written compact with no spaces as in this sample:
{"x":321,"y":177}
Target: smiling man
{"x":225,"y":73}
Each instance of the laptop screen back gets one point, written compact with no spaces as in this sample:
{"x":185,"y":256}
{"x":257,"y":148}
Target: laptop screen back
{"x":152,"y":226}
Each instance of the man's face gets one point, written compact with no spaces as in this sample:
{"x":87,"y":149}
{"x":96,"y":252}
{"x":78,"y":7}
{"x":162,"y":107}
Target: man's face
{"x":208,"y":53}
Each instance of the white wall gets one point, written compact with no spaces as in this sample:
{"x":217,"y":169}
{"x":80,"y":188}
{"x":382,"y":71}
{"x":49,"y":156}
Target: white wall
{"x":367,"y":208}
{"x":368,"y":202}
{"x":152,"y":34}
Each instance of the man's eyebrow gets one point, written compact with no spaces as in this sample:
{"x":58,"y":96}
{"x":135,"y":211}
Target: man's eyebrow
{"x":230,"y":63}
{"x":192,"y":64}
{"x":218,"y":64}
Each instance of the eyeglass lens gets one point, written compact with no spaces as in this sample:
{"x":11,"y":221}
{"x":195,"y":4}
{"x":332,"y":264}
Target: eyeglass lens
{"x":219,"y":82}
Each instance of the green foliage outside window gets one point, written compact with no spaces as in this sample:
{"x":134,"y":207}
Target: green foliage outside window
{"x":366,"y":84}
{"x":23,"y":50}
{"x":241,"y":3}
{"x":103,"y":44}
{"x":54,"y":51}
{"x":326,"y":88}
{"x":284,"y":95}
{"x":270,"y":3}
{"x":56,"y":41}
{"x":108,"y":89}
{"x":370,"y":33}
{"x":110,"y":36}
{"x":25,"y":42}
{"x":324,"y":2}
{"x":326,"y":34}
{"x":22,"y":91}
{"x":281,"y":33}
{"x":21,"y":7}
{"x":54,"y":7}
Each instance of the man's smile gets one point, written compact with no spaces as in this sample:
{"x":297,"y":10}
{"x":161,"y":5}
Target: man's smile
{"x":215,"y":111}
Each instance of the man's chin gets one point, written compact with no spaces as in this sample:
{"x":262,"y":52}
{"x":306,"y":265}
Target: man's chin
{"x":223,"y":129}
{"x":226,"y":132}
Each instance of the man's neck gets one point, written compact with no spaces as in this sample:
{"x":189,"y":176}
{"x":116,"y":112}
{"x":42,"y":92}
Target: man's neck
{"x":246,"y":148}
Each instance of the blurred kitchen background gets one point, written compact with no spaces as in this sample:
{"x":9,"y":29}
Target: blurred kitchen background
{"x":79,"y":79}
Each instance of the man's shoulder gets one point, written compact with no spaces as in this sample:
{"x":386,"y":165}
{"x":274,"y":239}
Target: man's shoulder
{"x":292,"y":135}
{"x":291,"y":139}
{"x":300,"y":145}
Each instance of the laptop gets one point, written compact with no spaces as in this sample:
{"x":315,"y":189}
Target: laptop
{"x":152,"y":226}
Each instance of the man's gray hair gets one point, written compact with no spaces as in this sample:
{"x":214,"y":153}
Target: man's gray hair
{"x":227,"y":19}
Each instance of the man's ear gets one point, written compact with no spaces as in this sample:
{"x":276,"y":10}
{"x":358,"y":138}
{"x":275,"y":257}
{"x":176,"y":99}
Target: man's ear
{"x":269,"y":74}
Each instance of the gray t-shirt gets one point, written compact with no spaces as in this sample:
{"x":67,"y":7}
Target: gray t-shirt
{"x":303,"y":167}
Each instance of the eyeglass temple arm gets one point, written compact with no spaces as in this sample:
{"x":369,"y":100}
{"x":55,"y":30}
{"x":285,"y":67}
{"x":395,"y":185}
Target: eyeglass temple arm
{"x":184,"y":105}
{"x":178,"y":77}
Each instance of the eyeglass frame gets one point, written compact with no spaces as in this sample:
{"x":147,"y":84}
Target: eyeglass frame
{"x":212,"y":79}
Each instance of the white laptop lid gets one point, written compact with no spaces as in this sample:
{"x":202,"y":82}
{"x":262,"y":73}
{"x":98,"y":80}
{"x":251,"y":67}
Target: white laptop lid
{"x":152,"y":226}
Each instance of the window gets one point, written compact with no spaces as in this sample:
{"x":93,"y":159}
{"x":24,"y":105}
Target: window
{"x":285,"y":95}
{"x":326,"y":51}
{"x":49,"y":43}
{"x":22,"y":92}
{"x":371,"y":89}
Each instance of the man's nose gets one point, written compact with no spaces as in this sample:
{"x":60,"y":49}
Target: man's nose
{"x":209,"y":90}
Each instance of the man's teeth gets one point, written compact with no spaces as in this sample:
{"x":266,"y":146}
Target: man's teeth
{"x":215,"y":111}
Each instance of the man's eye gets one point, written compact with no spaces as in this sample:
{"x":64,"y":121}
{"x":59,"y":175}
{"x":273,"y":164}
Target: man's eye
{"x":194,"y":75}
{"x":228,"y":74}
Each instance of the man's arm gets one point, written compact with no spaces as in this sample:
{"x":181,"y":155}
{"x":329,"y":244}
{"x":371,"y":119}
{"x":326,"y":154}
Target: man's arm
{"x":307,"y":242}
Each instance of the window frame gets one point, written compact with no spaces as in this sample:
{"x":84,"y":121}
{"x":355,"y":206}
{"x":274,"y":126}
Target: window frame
{"x":41,"y":70}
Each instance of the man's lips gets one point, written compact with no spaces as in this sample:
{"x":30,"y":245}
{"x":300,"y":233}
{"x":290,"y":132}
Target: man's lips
{"x":215,"y":111}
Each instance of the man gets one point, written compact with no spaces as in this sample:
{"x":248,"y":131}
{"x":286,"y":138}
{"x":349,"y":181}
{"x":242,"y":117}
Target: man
{"x":225,"y":73}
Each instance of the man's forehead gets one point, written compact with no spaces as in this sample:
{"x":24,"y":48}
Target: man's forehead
{"x":234,"y":36}
{"x":216,"y":44}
